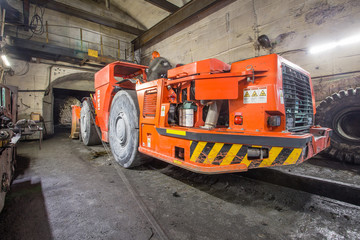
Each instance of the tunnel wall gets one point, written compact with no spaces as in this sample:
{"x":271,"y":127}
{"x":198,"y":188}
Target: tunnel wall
{"x":35,"y":87}
{"x":34,"y":78}
{"x":293,"y":26}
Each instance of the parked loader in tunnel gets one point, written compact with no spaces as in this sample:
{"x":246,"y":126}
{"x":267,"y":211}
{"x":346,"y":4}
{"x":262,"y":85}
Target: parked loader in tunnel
{"x":206,"y":116}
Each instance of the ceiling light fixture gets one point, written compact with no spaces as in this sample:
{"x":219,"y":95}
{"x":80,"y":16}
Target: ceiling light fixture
{"x":5,"y":60}
{"x":331,"y":45}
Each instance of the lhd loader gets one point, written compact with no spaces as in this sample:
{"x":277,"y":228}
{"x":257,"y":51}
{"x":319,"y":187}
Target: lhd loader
{"x":206,"y":116}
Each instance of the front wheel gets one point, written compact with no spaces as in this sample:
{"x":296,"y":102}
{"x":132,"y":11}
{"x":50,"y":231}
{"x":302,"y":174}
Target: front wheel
{"x":124,"y":129}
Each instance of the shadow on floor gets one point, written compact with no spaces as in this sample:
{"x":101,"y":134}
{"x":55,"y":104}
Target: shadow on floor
{"x":22,"y":164}
{"x":234,"y":188}
{"x":24,"y":215}
{"x":327,"y":162}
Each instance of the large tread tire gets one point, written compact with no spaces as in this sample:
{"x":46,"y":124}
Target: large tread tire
{"x":124,"y":129}
{"x":88,"y":132}
{"x":341,"y":112}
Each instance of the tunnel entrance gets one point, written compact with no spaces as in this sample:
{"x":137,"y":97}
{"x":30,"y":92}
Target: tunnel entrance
{"x":61,"y":93}
{"x":63,"y":99}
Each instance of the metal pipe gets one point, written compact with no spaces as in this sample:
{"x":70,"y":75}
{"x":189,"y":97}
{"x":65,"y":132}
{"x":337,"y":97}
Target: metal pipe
{"x":2,"y":75}
{"x":31,"y":90}
{"x":118,"y":49}
{"x":81,"y":39}
{"x":47,"y":31}
{"x":101,"y":45}
{"x":107,"y":4}
{"x":73,"y":67}
{"x":213,"y":114}
{"x":132,"y":52}
{"x":125,"y":52}
{"x":3,"y":23}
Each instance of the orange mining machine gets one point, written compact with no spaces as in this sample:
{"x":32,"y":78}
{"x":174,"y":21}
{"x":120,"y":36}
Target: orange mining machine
{"x":206,"y":116}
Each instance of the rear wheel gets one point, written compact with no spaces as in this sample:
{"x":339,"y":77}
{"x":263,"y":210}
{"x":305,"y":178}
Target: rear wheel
{"x":88,"y":132}
{"x":341,"y":112}
{"x":124,"y":129}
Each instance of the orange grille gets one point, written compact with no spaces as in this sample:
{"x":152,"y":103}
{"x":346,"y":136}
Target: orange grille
{"x":150,"y":103}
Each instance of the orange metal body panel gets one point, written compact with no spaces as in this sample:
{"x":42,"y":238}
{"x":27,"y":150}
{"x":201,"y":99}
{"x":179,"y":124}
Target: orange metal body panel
{"x":207,"y":66}
{"x":226,"y":85}
{"x":105,"y":84}
{"x":272,"y":81}
{"x":75,"y":121}
{"x":216,"y":88}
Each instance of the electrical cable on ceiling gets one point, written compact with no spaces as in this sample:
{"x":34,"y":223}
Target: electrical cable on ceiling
{"x":23,"y":71}
{"x":27,"y":106}
{"x":37,"y":23}
{"x":291,"y":51}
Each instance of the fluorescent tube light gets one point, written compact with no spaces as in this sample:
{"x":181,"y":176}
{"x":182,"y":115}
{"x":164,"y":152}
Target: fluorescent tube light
{"x":331,"y":45}
{"x":5,"y":60}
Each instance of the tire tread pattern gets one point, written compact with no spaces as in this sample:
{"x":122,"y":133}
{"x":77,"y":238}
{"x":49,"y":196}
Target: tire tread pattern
{"x":92,"y":138}
{"x":134,"y":157}
{"x":340,"y":150}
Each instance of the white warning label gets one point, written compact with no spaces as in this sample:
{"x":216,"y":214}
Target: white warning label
{"x":148,"y":141}
{"x":281,"y":96}
{"x":162,"y":111}
{"x":255,"y":95}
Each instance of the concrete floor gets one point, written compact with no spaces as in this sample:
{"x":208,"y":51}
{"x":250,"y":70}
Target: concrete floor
{"x":69,"y":191}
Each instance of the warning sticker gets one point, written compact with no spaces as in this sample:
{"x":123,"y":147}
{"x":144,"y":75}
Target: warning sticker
{"x":148,"y":141}
{"x":162,"y":111}
{"x":93,"y":53}
{"x":281,"y":96}
{"x":255,"y":95}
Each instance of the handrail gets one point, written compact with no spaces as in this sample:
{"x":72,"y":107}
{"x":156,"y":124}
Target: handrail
{"x":118,"y":45}
{"x":85,"y":29}
{"x":128,"y":47}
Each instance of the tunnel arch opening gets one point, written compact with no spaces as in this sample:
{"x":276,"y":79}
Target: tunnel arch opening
{"x":60,"y":94}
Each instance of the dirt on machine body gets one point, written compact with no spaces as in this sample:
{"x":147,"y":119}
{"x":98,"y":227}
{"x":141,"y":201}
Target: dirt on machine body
{"x":206,"y":116}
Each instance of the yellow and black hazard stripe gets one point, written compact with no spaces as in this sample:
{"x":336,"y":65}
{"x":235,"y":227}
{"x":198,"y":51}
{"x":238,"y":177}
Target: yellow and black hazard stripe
{"x":227,"y":154}
{"x":236,"y":139}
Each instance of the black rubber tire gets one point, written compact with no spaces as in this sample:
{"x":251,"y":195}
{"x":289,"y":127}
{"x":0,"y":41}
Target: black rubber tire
{"x":158,"y":68}
{"x":88,"y":133}
{"x":124,"y":129}
{"x":341,"y":112}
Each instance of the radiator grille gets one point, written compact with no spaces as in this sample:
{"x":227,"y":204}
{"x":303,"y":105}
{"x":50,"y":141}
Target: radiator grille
{"x":297,"y":99}
{"x":150,"y":103}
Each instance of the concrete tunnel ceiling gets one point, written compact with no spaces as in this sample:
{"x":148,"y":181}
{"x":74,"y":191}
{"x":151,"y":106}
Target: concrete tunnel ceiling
{"x":127,"y":20}
{"x":144,"y":12}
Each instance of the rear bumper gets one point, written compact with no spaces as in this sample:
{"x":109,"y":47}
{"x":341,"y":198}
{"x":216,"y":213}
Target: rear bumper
{"x":292,"y":142}
{"x":319,"y":142}
{"x":221,"y":153}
